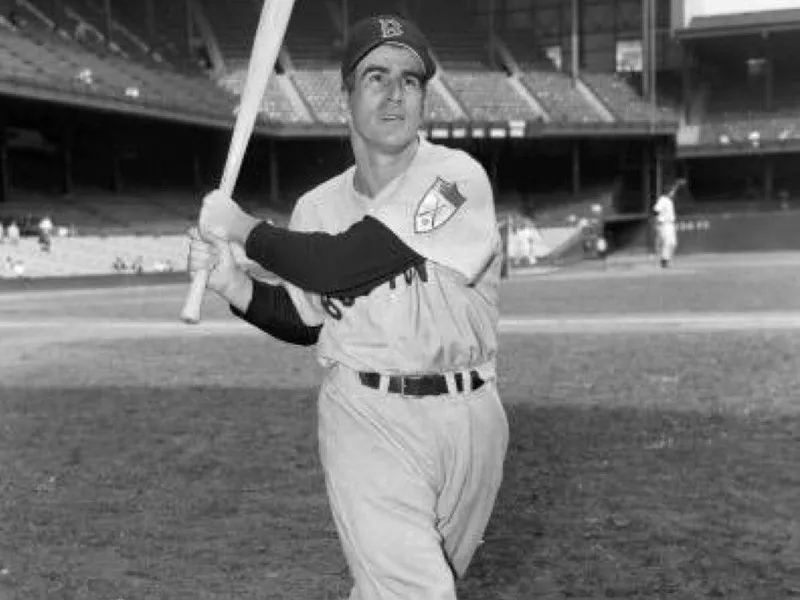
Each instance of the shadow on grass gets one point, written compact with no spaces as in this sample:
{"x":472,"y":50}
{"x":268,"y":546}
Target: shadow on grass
{"x":218,"y":493}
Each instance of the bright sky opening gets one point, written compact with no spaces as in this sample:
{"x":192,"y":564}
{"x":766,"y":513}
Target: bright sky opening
{"x":726,"y":7}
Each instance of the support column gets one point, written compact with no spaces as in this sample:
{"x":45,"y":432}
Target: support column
{"x":687,"y":67}
{"x":274,"y":187}
{"x":150,"y":21}
{"x":653,"y":59}
{"x":769,"y":177}
{"x":108,"y":22}
{"x":684,"y":169}
{"x":647,"y":199}
{"x":115,"y":176}
{"x":576,"y":167}
{"x":197,"y":169}
{"x":659,"y":165}
{"x":5,"y":174}
{"x":494,"y":161}
{"x":66,"y":160}
{"x":646,"y":43}
{"x":187,"y":14}
{"x":575,"y":49}
{"x":769,"y":74}
{"x":491,"y":33}
{"x":647,"y":179}
{"x":345,"y":21}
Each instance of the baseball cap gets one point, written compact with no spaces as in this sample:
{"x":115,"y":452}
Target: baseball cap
{"x":371,"y":32}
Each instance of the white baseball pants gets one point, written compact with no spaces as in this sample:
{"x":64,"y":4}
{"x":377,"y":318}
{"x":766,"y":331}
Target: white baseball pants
{"x":667,"y":240}
{"x":412,"y":482}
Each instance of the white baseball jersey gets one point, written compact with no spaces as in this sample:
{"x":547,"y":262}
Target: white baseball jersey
{"x":665,"y":210}
{"x":439,"y":318}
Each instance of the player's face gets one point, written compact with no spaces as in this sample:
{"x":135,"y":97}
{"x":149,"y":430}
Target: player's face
{"x":387,"y":98}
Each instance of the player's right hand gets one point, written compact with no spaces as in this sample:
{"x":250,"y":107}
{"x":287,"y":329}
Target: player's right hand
{"x":215,"y":255}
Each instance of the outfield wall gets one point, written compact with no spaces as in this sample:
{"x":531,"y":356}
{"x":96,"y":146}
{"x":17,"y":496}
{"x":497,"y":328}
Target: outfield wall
{"x":728,"y":232}
{"x":718,"y":232}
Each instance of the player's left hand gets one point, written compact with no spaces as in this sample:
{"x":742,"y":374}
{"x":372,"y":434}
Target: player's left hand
{"x":221,"y":215}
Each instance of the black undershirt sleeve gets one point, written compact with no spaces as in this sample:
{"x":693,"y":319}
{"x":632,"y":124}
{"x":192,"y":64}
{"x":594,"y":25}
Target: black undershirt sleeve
{"x":351,"y":263}
{"x":271,"y":310}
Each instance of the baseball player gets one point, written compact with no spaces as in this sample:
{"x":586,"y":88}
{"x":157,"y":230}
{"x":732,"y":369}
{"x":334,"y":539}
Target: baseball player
{"x":392,"y":270}
{"x":666,"y":234}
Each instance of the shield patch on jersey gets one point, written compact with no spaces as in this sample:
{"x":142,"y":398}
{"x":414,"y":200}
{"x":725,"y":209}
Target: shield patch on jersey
{"x":439,"y":203}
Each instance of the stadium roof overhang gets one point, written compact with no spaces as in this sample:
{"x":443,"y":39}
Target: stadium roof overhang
{"x":754,"y":23}
{"x":68,"y":97}
{"x":439,"y":130}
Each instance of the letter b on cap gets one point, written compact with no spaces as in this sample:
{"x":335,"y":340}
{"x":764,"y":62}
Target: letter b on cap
{"x":390,"y":28}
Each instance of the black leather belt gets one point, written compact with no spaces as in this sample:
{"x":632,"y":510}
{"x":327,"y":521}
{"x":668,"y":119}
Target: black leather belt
{"x":420,"y":385}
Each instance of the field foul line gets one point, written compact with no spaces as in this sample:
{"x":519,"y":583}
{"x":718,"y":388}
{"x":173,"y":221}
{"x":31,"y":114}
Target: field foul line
{"x":46,"y":295}
{"x":661,"y":322}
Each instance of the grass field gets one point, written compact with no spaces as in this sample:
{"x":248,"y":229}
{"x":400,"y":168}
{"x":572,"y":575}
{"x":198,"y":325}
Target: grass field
{"x":654,"y":445}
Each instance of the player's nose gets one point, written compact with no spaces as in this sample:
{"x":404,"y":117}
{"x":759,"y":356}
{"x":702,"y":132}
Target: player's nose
{"x":394,"y":91}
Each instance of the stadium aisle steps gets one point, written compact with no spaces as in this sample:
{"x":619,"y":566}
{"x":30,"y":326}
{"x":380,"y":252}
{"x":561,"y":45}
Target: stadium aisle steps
{"x":559,"y":97}
{"x":623,"y":101}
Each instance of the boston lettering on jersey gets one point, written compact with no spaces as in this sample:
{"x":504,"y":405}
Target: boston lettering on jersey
{"x":435,"y":318}
{"x":334,"y":305}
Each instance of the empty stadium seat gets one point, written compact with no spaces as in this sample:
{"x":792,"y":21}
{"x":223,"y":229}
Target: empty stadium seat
{"x":559,"y":97}
{"x":457,"y":42}
{"x":234,"y":23}
{"x":488,"y":96}
{"x":436,"y":108}
{"x":313,"y":39}
{"x":275,"y":105}
{"x":322,"y":89}
{"x":461,"y":50}
{"x":42,"y":57}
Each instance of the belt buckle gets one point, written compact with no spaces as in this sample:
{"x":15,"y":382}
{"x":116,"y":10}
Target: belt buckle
{"x":412,"y":385}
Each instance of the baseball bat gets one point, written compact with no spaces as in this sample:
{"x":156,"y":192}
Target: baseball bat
{"x":272,"y":26}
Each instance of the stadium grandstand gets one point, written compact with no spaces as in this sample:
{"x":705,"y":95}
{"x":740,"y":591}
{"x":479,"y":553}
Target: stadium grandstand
{"x":115,"y":116}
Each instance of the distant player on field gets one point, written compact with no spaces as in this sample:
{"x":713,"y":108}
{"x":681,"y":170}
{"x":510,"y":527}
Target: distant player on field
{"x":666,"y":232}
{"x":392,"y":270}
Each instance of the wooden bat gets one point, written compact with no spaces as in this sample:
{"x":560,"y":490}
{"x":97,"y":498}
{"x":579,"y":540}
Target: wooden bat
{"x":266,"y":45}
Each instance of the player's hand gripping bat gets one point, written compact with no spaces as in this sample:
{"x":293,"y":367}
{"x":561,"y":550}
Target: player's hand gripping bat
{"x":266,"y":45}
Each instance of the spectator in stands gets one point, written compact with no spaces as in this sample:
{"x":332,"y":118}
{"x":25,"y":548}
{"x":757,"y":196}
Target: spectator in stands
{"x":45,"y":234}
{"x":16,"y":20}
{"x":85,"y":76}
{"x":783,"y":199}
{"x":595,"y":243}
{"x":752,"y":191}
{"x":137,"y":266}
{"x":12,"y":233}
{"x":163,"y":266}
{"x":84,"y":33}
{"x":203,"y":58}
